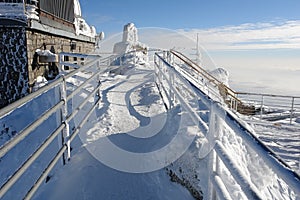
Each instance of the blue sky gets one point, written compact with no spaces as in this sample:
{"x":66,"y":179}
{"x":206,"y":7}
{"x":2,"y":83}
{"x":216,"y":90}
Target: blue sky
{"x":110,"y":15}
{"x":257,"y":41}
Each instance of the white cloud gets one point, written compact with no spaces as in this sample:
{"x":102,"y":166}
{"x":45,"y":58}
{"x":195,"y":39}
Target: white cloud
{"x":250,"y":36}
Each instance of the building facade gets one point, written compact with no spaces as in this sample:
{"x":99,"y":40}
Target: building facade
{"x":29,"y":28}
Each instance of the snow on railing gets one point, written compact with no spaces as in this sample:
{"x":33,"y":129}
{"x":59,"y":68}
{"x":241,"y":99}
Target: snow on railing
{"x":93,"y":67}
{"x":165,"y":72}
{"x":268,"y":106}
{"x":205,"y":81}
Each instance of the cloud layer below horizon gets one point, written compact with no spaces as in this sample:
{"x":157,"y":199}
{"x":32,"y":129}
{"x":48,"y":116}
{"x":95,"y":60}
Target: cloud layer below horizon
{"x":271,"y":35}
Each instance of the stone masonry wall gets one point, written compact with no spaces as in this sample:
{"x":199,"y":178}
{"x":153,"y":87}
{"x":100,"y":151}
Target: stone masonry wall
{"x":39,"y":40}
{"x":13,"y":64}
{"x":17,"y":47}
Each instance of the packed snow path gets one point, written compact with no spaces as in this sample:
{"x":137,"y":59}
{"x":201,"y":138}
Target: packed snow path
{"x":128,"y":103}
{"x":131,"y":119}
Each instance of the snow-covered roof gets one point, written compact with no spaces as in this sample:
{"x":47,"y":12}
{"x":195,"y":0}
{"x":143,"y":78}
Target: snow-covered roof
{"x":17,"y":11}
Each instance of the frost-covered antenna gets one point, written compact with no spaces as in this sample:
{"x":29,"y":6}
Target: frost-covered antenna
{"x":198,"y":52}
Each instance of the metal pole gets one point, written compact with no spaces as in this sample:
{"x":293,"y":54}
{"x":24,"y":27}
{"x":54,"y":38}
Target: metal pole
{"x":261,"y":106}
{"x":292,"y":109}
{"x":99,"y":79}
{"x":64,"y":114}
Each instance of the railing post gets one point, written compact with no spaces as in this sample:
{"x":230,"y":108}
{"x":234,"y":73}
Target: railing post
{"x":61,"y":60}
{"x":213,"y":134}
{"x":99,"y":78}
{"x":292,"y":110}
{"x":261,"y":106}
{"x":64,"y":113}
{"x":171,"y":93}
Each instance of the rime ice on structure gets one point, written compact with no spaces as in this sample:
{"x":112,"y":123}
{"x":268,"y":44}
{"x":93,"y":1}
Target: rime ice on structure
{"x":130,"y":33}
{"x":130,"y":40}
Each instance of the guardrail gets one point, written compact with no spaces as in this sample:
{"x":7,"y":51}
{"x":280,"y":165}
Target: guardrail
{"x":265,"y":105}
{"x":92,"y":65}
{"x":209,"y":84}
{"x":165,"y":73}
{"x":272,"y":107}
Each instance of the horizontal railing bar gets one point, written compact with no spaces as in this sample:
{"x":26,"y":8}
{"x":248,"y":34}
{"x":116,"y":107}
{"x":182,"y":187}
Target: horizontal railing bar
{"x":78,"y":89}
{"x":35,"y":187}
{"x":196,"y":118}
{"x":249,"y":189}
{"x":77,"y":55}
{"x":273,"y":161}
{"x":6,"y":110}
{"x":19,"y":137}
{"x":45,"y":173}
{"x":163,"y":89}
{"x":188,"y":77}
{"x":74,"y":113}
{"x":14,"y":141}
{"x":267,"y":95}
{"x":245,"y":189}
{"x":9,"y":183}
{"x":72,"y":65}
{"x":72,"y":137}
{"x":32,"y":191}
{"x":207,"y":75}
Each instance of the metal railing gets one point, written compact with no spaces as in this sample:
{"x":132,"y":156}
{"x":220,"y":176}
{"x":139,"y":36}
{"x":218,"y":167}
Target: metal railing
{"x":91,"y":65}
{"x":205,"y":81}
{"x":265,"y":105}
{"x":272,"y":107}
{"x":165,"y":73}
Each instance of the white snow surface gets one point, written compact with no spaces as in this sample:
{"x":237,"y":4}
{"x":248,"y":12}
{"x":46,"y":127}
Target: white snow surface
{"x":128,"y":101}
{"x":119,"y":119}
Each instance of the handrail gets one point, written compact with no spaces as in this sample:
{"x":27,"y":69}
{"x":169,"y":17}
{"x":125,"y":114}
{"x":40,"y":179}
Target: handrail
{"x":60,"y":106}
{"x":6,"y":110}
{"x":268,"y":95}
{"x":201,"y":70}
{"x":290,"y":105}
{"x":232,"y":98}
{"x":271,"y":159}
{"x":248,"y":190}
{"x":229,"y":96}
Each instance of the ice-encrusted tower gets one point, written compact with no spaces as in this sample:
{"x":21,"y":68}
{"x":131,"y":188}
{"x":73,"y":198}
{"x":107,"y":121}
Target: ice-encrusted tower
{"x":129,"y":41}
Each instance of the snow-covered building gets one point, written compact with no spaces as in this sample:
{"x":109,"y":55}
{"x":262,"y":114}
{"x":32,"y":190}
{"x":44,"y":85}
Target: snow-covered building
{"x":30,"y":28}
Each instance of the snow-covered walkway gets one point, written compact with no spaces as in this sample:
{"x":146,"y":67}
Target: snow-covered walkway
{"x":132,"y":117}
